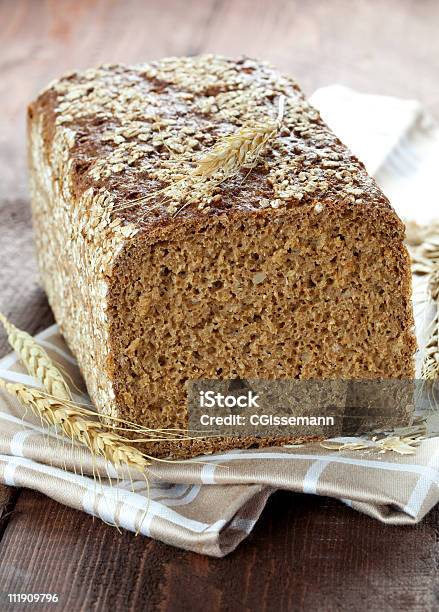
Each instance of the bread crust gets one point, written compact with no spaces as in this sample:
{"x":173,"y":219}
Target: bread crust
{"x":133,"y":144}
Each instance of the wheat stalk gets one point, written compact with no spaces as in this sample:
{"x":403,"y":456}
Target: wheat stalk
{"x":425,"y":260}
{"x":72,"y":421}
{"x":36,"y":360}
{"x":402,"y":441}
{"x":430,"y":367}
{"x":232,"y":151}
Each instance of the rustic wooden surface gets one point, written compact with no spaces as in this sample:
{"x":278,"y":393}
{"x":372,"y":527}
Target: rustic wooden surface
{"x":306,"y":553}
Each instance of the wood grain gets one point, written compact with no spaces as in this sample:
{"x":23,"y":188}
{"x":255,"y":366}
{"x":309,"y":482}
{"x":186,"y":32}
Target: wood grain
{"x":306,"y":553}
{"x":388,"y":47}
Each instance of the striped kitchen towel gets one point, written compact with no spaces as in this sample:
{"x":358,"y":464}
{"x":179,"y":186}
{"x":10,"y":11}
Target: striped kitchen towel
{"x":211,"y":503}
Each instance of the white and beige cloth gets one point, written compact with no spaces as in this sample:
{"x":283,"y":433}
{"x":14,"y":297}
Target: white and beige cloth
{"x":211,"y":503}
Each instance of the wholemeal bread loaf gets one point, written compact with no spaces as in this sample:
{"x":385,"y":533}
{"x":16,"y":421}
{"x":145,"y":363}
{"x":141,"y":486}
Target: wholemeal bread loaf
{"x":280,"y":258}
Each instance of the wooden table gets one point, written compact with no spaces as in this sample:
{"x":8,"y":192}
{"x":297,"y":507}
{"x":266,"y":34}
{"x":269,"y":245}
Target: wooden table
{"x":306,"y":553}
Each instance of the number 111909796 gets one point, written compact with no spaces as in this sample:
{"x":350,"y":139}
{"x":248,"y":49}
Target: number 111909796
{"x":32,"y":597}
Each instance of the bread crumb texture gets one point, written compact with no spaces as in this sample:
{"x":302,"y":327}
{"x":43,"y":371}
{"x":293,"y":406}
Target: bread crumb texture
{"x":294,"y":267}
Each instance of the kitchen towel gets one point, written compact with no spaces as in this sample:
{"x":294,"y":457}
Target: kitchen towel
{"x":211,"y":503}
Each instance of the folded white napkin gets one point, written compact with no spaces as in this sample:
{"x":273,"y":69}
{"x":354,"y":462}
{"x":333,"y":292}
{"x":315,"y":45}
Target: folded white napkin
{"x":397,"y":141}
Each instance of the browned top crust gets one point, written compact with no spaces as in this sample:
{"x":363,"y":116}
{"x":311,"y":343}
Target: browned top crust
{"x":138,"y":129}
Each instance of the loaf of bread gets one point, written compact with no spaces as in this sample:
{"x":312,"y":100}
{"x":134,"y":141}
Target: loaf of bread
{"x":292,"y":266}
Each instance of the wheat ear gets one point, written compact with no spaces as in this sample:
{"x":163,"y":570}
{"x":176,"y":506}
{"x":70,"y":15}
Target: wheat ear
{"x":36,"y":360}
{"x":72,"y":422}
{"x":430,"y":367}
{"x":232,"y":151}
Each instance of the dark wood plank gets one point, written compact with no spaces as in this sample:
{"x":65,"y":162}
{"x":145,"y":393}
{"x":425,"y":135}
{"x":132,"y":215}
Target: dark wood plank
{"x":306,"y":552}
{"x":20,"y":297}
